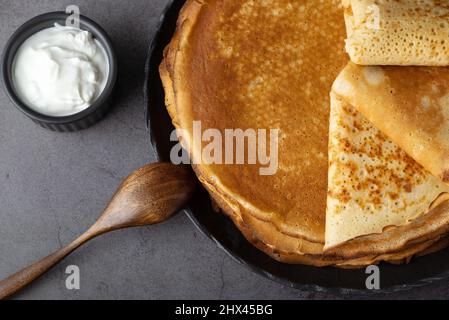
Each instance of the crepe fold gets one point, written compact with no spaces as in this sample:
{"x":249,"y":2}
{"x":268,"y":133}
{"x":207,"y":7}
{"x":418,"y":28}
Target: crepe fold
{"x":391,"y":32}
{"x":410,"y":105}
{"x":373,"y":184}
{"x":242,"y":64}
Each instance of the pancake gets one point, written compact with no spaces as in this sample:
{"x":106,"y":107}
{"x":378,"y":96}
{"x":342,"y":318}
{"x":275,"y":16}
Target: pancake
{"x":200,"y":84}
{"x":391,"y":32}
{"x":410,"y":105}
{"x":373,"y":184}
{"x":247,"y":83}
{"x":394,"y":246}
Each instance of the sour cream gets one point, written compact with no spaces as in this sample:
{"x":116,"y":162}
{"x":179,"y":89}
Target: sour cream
{"x":60,"y":71}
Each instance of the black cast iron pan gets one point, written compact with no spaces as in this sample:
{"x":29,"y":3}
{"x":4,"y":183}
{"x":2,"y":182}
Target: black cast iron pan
{"x":221,"y":230}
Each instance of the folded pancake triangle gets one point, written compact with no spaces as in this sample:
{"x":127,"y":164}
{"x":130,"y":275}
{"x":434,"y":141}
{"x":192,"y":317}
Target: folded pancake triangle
{"x":392,"y":32}
{"x":373,"y":184}
{"x":409,"y":104}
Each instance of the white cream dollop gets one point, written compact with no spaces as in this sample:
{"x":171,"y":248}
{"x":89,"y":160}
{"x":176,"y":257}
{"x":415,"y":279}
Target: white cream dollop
{"x":60,"y":71}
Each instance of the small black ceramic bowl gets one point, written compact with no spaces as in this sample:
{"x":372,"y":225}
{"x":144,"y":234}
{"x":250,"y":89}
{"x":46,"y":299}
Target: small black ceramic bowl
{"x":78,"y":121}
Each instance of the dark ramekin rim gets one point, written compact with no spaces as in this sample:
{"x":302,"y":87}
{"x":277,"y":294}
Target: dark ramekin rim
{"x":46,"y":20}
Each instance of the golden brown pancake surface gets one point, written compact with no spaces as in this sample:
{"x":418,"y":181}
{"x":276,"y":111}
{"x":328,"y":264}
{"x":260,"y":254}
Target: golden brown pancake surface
{"x":266,"y":65}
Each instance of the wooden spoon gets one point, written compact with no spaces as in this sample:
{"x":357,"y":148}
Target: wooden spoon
{"x":150,"y":195}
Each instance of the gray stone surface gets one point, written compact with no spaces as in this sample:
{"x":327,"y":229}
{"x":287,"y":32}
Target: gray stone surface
{"x":54,"y":185}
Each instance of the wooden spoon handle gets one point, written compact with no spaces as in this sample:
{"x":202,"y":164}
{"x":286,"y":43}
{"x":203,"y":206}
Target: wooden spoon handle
{"x":21,"y":279}
{"x":150,"y":195}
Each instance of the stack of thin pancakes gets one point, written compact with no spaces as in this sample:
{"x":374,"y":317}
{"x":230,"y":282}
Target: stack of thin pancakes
{"x":344,"y":194}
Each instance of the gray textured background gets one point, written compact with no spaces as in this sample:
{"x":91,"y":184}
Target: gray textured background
{"x":55,"y":185}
